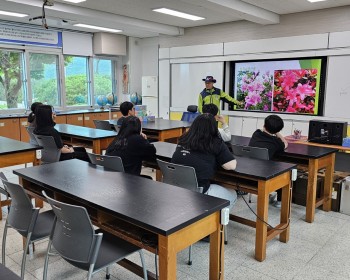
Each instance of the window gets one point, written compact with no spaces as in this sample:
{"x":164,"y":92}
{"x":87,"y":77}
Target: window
{"x":12,"y":90}
{"x":104,"y":77}
{"x":44,"y":78}
{"x":77,"y":81}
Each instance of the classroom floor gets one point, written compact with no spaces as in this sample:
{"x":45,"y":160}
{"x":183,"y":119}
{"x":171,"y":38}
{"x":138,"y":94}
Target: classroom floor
{"x":315,"y":251}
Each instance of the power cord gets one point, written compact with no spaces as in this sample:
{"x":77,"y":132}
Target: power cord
{"x":262,"y":220}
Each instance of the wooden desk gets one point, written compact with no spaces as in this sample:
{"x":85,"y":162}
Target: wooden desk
{"x":13,"y":152}
{"x":260,"y":177}
{"x":314,"y":158}
{"x":100,"y":139}
{"x":342,"y":148}
{"x":135,"y":208}
{"x":162,"y":130}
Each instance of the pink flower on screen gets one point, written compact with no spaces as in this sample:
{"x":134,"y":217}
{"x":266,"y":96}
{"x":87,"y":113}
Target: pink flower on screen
{"x":244,"y":87}
{"x":313,"y":72}
{"x":252,"y":99}
{"x":300,"y":73}
{"x":291,"y":96}
{"x":289,"y":79}
{"x":304,"y":90}
{"x":266,"y":108}
{"x":291,"y":110}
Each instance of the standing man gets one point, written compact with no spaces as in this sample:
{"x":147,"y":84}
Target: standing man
{"x":212,"y":95}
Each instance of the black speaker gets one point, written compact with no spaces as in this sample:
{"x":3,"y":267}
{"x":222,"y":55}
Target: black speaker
{"x":327,"y":132}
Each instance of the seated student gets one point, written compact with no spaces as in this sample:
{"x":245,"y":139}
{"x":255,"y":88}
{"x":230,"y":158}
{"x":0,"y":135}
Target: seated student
{"x":127,"y":109}
{"x":131,"y":146}
{"x":225,"y":130}
{"x":44,"y":117}
{"x":31,"y":116}
{"x":271,"y":138}
{"x":202,"y":148}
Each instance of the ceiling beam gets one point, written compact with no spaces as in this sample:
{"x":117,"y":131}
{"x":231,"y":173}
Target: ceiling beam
{"x":247,"y":11}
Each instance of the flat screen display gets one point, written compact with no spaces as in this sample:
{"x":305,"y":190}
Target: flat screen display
{"x":281,"y":86}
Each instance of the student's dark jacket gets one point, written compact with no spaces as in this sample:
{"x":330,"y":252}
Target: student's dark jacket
{"x":133,"y":153}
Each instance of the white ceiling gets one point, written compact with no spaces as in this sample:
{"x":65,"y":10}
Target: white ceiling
{"x":136,"y":18}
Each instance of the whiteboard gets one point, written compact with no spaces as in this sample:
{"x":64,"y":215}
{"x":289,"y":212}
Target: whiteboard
{"x":337,"y":103}
{"x":186,"y":82}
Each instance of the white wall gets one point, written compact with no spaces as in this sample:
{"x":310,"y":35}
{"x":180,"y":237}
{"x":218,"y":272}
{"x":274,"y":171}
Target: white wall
{"x":142,"y":59}
{"x":321,"y":33}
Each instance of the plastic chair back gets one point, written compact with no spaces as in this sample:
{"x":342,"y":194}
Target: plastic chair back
{"x":252,"y":152}
{"x":2,"y":188}
{"x":105,"y":125}
{"x":179,"y":175}
{"x":22,"y":211}
{"x":112,"y":162}
{"x":50,"y":153}
{"x":189,"y":116}
{"x":73,"y":235}
{"x":30,"y":130}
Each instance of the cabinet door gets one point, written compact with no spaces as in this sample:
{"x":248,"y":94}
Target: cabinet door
{"x":61,"y":119}
{"x":23,"y":123}
{"x":249,"y":126}
{"x":116,"y":115}
{"x":10,"y":128}
{"x":76,"y":119}
{"x":89,"y":119}
{"x":235,"y":124}
{"x":102,"y":116}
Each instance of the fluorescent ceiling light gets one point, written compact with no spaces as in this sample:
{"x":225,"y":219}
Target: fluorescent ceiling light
{"x":11,"y":14}
{"x":74,"y":1}
{"x":97,"y":27}
{"x":177,"y":14}
{"x":313,"y":1}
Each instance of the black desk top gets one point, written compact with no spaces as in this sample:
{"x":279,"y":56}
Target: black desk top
{"x":253,"y":168}
{"x":155,"y":206}
{"x":9,"y":146}
{"x":293,"y":150}
{"x":84,"y":132}
{"x":160,"y":124}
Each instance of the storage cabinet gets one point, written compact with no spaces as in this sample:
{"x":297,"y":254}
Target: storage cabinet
{"x":249,"y":126}
{"x":90,"y":117}
{"x":10,"y":128}
{"x":235,"y":124}
{"x":116,"y":115}
{"x":76,"y":119}
{"x":23,"y":123}
{"x":61,"y":119}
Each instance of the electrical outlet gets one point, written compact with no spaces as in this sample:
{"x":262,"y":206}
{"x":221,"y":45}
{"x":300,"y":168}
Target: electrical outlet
{"x":294,"y":174}
{"x":38,"y":154}
{"x":225,"y":216}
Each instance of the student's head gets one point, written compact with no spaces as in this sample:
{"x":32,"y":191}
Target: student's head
{"x":209,"y":82}
{"x":273,"y":124}
{"x":127,"y":109}
{"x":202,"y":134}
{"x":44,"y":116}
{"x":210,"y":109}
{"x":33,"y":107}
{"x":131,"y":125}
